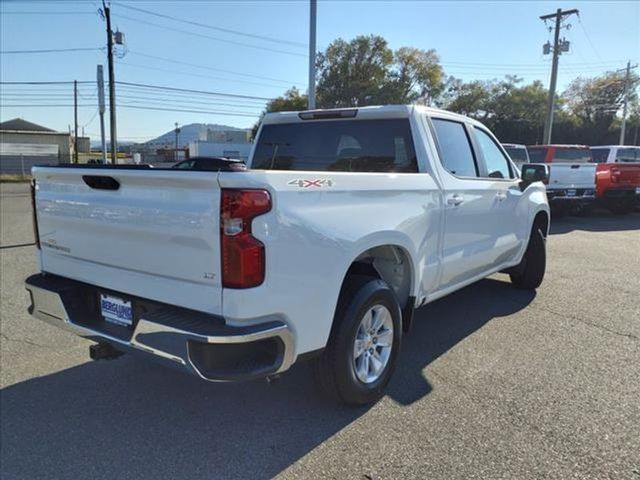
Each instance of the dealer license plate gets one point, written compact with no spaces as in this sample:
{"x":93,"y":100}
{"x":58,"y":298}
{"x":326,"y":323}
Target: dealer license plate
{"x":571,"y":193}
{"x":116,"y":310}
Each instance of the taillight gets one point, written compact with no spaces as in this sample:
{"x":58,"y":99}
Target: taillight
{"x":34,"y":217}
{"x":243,"y":258}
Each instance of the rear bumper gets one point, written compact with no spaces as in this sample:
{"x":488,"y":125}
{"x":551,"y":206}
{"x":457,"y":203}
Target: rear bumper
{"x":571,"y":195}
{"x":195,"y":342}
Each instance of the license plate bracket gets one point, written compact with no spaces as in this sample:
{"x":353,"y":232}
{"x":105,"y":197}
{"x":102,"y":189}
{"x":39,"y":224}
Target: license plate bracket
{"x":571,"y":192}
{"x":116,"y":310}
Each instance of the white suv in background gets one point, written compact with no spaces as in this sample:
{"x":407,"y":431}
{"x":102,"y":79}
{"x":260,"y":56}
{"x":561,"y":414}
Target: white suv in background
{"x":615,"y":154}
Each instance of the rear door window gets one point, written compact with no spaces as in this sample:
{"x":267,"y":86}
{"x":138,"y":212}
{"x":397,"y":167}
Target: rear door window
{"x":455,"y":148}
{"x":600,"y":155}
{"x":628,"y":155}
{"x":341,"y":146}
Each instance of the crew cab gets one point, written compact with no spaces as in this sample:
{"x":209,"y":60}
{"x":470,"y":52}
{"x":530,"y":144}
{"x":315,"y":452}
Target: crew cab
{"x":572,"y":177}
{"x":617,"y":176}
{"x":344,"y":222}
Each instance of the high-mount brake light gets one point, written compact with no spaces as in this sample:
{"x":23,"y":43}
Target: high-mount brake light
{"x":34,"y":216}
{"x":243,"y":255}
{"x":328,"y":114}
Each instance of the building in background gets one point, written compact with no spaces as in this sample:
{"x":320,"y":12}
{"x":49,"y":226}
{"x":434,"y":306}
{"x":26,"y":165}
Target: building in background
{"x":228,"y":136}
{"x":222,"y":143}
{"x":201,"y":148}
{"x":24,"y":144}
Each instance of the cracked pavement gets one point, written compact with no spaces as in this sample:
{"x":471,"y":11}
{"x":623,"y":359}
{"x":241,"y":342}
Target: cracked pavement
{"x":492,"y":383}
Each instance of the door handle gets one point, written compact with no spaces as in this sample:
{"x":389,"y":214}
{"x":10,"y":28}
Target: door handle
{"x":455,"y":200}
{"x":501,"y":196}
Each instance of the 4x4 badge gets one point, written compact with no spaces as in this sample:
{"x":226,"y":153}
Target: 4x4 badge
{"x":316,"y":183}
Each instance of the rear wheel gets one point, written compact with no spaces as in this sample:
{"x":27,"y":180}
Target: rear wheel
{"x":529,"y":273}
{"x":360,"y":356}
{"x":620,"y":207}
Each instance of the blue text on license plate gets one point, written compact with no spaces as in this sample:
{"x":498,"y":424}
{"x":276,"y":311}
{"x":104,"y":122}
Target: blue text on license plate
{"x":116,"y":310}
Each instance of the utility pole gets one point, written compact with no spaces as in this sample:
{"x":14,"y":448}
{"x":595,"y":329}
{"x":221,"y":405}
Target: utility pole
{"x":75,"y":121}
{"x":312,"y":55}
{"x":627,"y":78}
{"x":175,"y":151}
{"x":558,"y":16}
{"x":112,"y":85}
{"x":103,"y":140}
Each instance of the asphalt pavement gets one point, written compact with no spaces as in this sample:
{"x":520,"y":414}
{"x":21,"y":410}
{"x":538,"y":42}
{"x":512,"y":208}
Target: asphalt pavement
{"x":492,"y":383}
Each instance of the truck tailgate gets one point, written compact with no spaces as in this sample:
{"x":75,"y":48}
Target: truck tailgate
{"x":572,"y":175}
{"x":156,"y":236}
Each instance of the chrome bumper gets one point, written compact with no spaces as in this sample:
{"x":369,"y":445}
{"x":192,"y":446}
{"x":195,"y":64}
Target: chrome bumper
{"x":174,"y":336}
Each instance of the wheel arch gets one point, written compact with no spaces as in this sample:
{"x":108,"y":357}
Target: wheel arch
{"x":393,"y":264}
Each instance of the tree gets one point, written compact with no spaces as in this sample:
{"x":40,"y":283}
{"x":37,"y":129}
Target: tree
{"x":354,"y":73}
{"x":593,"y":105}
{"x":416,"y":77}
{"x":365,"y":71}
{"x":291,"y":101}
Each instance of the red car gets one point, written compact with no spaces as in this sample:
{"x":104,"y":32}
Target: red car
{"x":617,"y":177}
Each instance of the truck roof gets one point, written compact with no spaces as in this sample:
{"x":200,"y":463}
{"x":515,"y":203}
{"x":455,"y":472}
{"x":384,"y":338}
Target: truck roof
{"x":558,"y":145}
{"x":615,"y":146}
{"x":367,"y":113}
{"x":513,"y":145}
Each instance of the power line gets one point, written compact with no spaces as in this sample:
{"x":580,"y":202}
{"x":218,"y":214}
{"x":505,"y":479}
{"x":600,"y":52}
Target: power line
{"x":52,"y":50}
{"x":52,"y":12}
{"x":180,"y":62}
{"x":198,"y":75}
{"x":212,"y":27}
{"x":66,"y":82}
{"x":201,"y":35}
{"x":584,"y":30}
{"x":210,"y":112}
{"x":203,"y":92}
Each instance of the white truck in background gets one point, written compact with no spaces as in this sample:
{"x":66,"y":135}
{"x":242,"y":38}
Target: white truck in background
{"x":572,"y":175}
{"x":344,"y":222}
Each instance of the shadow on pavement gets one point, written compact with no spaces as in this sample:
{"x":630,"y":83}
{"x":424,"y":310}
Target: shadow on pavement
{"x":597,"y":221}
{"x":130,"y":419}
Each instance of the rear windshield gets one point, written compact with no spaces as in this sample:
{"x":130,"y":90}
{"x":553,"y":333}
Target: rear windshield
{"x":517,"y":154}
{"x":537,"y":155}
{"x":600,"y":155}
{"x":341,"y":146}
{"x":573,"y":155}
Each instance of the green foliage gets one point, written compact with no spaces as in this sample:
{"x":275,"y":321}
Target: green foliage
{"x":365,"y":71}
{"x":291,"y":101}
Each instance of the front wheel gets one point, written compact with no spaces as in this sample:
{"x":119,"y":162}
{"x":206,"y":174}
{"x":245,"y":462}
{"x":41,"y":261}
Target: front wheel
{"x":361,"y":354}
{"x":529,"y":273}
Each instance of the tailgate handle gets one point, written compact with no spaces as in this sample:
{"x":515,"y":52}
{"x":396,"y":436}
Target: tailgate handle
{"x":101,"y":182}
{"x":575,"y":166}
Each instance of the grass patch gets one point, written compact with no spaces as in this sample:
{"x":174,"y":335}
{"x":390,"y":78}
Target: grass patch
{"x":6,"y":178}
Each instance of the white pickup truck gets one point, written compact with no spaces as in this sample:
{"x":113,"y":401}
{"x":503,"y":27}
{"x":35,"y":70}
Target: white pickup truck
{"x":344,"y":222}
{"x":572,"y":176}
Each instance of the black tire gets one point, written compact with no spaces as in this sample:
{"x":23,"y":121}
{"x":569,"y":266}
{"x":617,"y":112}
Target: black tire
{"x":528,"y":275}
{"x":334,"y":370}
{"x":620,"y":207}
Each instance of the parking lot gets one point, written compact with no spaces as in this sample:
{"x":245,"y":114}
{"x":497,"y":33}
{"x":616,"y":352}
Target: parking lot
{"x":492,"y":383}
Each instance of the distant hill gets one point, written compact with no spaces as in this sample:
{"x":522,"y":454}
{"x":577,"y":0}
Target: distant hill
{"x":188,"y":133}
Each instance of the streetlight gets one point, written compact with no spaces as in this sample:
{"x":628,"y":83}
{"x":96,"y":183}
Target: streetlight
{"x":175,"y":151}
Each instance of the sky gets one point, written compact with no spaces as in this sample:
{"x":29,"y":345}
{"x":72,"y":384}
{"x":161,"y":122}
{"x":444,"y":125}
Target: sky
{"x":258,"y":49}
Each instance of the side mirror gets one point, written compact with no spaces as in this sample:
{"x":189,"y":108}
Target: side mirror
{"x":533,"y":172}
